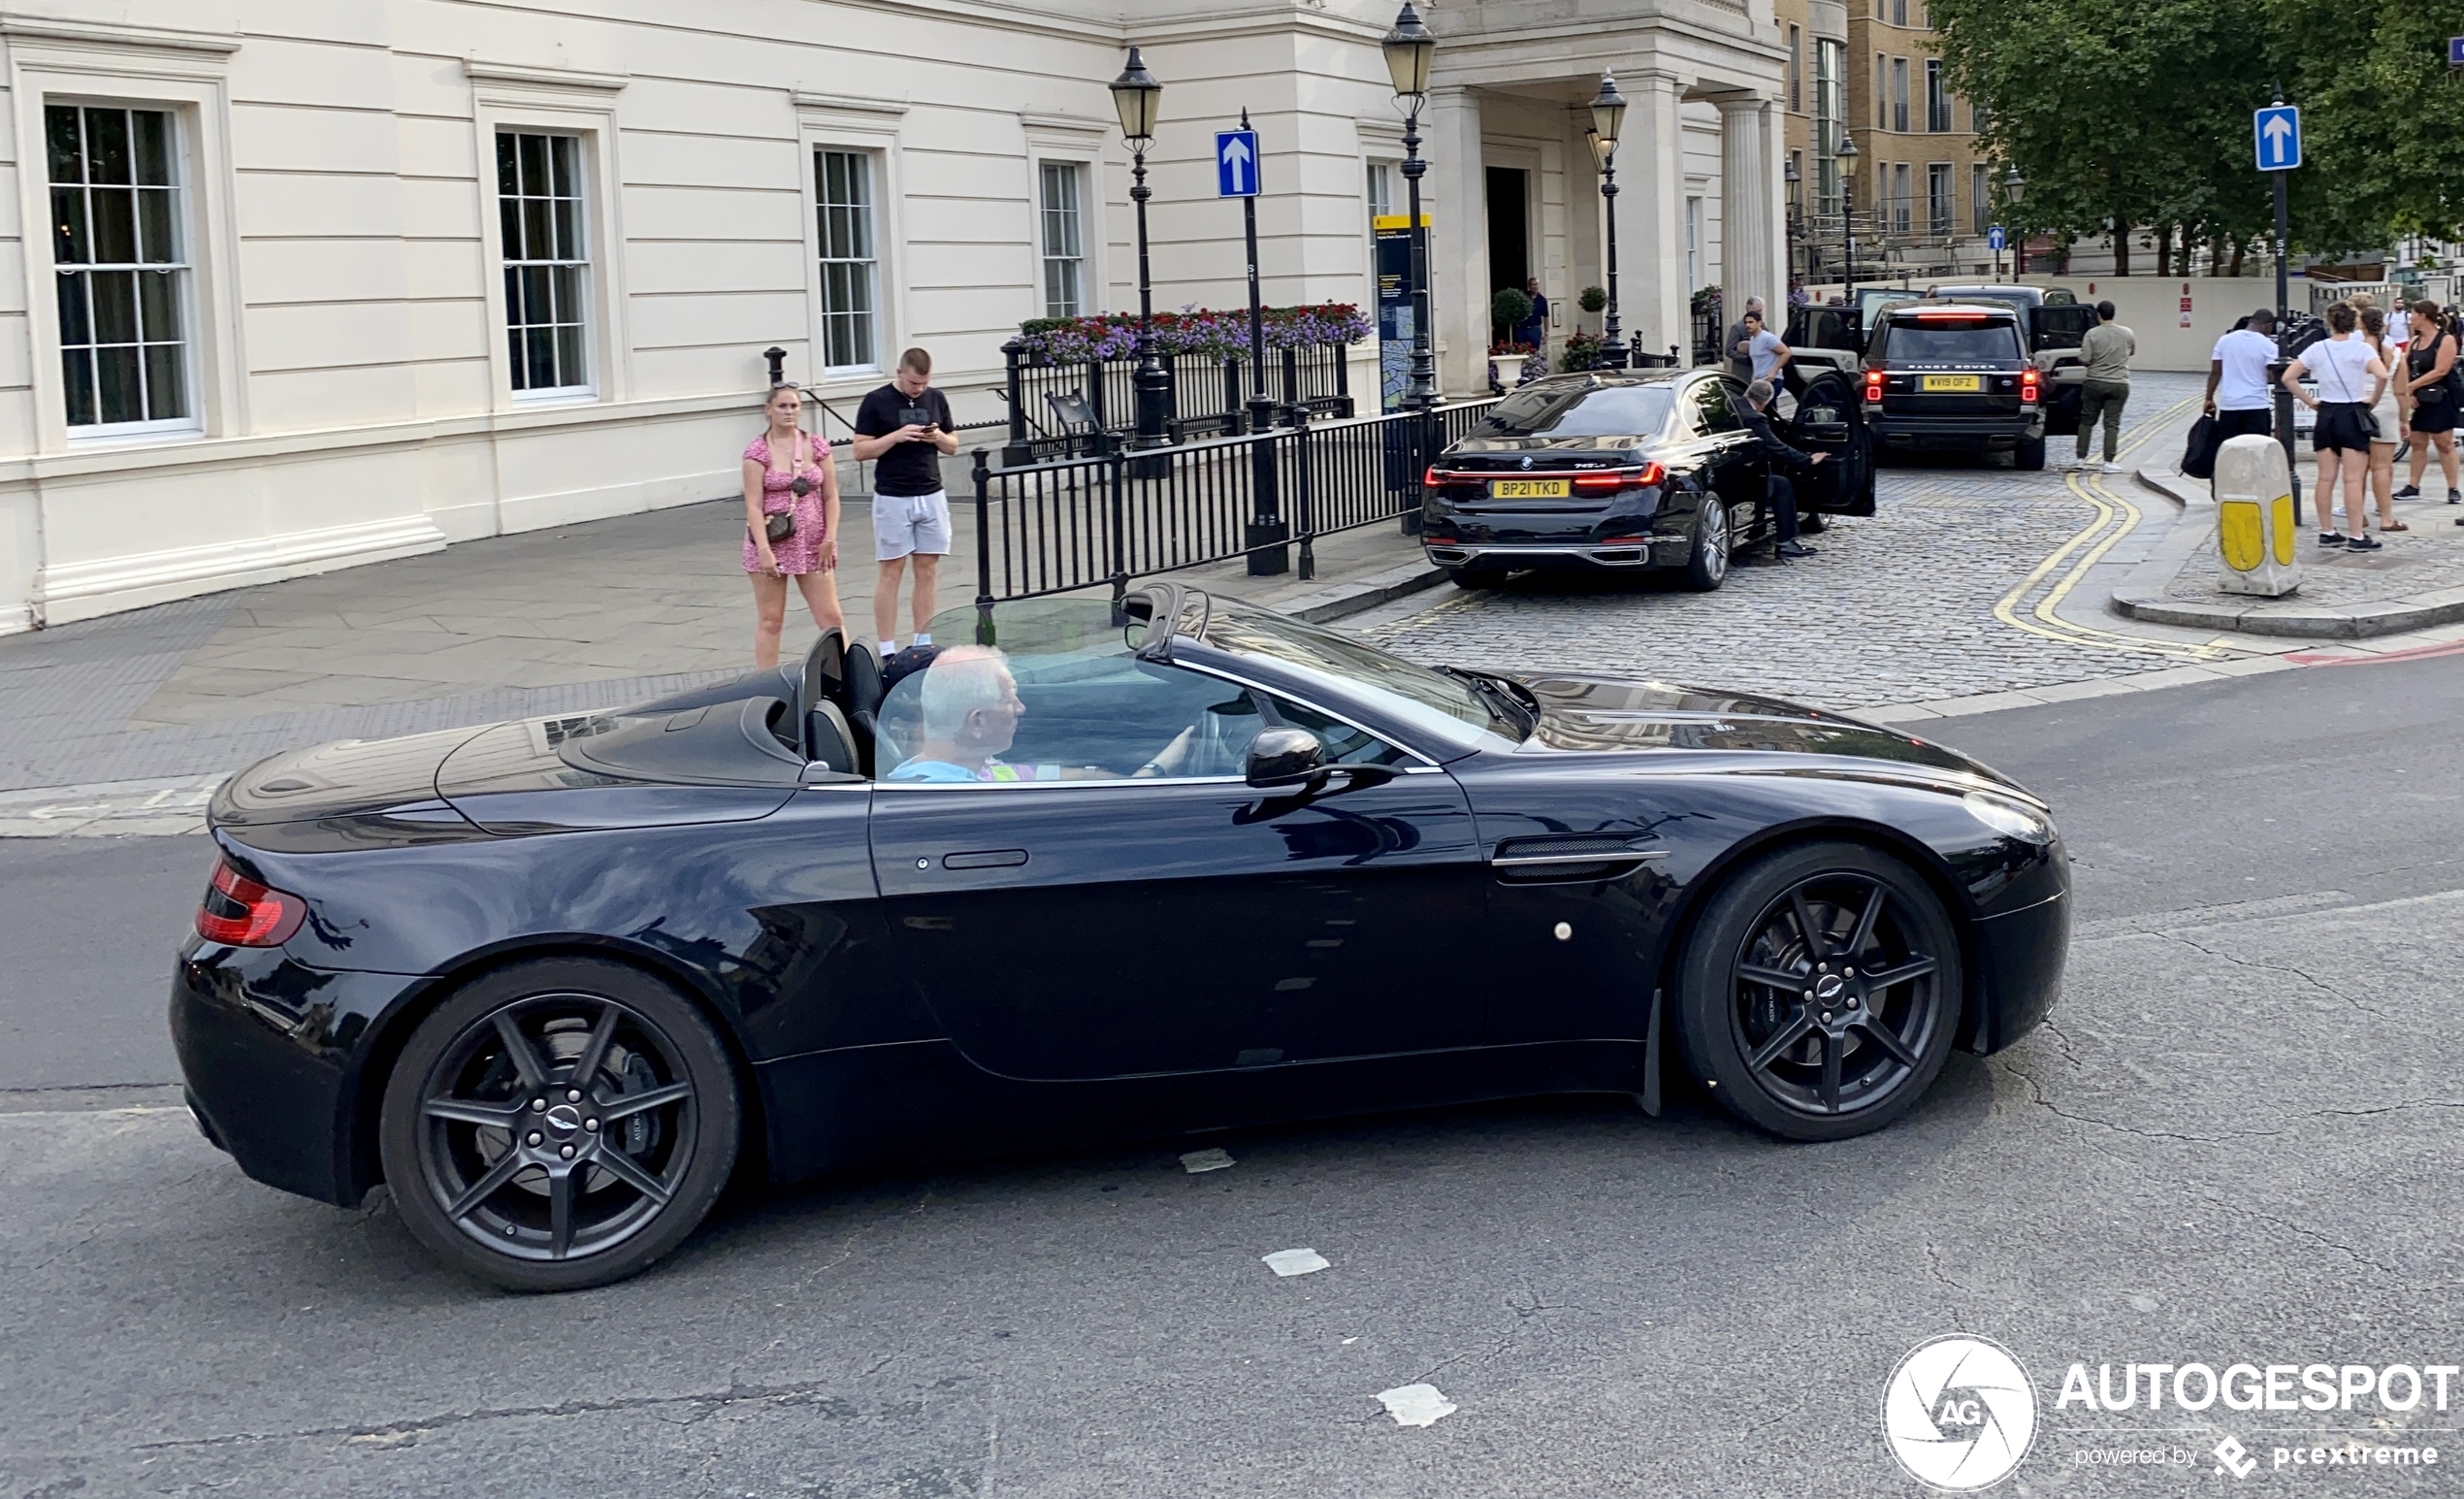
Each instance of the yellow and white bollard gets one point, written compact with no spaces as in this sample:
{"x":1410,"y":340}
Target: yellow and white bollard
{"x":2255,"y":538}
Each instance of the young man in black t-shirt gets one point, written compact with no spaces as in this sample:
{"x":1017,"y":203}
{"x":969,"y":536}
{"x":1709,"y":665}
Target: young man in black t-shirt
{"x":903,"y":430}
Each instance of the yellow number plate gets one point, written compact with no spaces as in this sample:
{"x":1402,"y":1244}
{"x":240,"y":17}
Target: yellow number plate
{"x":1967,"y":383}
{"x":1527,"y":489}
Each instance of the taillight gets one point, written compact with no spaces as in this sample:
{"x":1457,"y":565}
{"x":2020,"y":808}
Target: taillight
{"x":2031,"y":384}
{"x":1433,"y":479}
{"x":1644,"y":477}
{"x":239,"y":912}
{"x":1873,"y":386}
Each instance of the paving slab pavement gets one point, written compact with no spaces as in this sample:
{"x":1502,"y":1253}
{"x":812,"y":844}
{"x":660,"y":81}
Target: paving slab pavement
{"x":574,"y":619}
{"x":2414,"y":581}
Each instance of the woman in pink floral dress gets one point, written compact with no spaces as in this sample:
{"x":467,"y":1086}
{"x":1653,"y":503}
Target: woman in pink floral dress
{"x":787,"y":470}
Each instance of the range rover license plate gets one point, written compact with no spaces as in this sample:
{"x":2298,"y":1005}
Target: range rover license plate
{"x":1970,"y":383}
{"x":1527,"y":489}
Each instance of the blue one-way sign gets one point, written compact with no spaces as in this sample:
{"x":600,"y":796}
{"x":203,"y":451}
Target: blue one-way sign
{"x":2455,"y":52}
{"x":2278,"y":135}
{"x":1236,"y":163}
{"x":1994,"y":239}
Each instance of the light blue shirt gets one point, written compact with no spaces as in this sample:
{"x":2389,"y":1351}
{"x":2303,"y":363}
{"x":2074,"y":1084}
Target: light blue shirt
{"x":944,"y":772}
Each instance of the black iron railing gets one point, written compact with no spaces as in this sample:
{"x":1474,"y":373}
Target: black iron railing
{"x":1088,"y":408}
{"x":1100,"y":521}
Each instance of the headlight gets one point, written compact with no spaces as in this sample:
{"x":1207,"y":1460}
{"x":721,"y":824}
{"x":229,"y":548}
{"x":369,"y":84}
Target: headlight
{"x":2010,"y":818}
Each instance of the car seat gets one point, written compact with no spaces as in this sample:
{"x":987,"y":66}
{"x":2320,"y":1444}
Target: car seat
{"x":859,"y":693}
{"x":830,"y":740}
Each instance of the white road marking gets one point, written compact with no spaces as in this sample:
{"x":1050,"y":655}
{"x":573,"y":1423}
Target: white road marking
{"x":1301,"y":1261}
{"x":1213,"y":1159}
{"x":1416,"y":1405}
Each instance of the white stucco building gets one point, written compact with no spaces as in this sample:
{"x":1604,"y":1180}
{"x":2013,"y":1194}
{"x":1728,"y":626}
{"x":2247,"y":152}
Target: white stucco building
{"x":326,"y":281}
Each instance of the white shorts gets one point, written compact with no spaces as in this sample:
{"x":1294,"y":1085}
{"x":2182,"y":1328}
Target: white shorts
{"x":904,"y":524}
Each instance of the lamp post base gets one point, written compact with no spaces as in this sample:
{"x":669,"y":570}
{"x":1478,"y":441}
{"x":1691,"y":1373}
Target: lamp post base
{"x":1267,"y":539}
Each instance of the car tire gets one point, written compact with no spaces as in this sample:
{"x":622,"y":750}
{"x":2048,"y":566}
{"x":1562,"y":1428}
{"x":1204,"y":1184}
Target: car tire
{"x":2029,"y":455}
{"x":1477,"y":577}
{"x":511,"y":1173}
{"x":1811,"y":524}
{"x":1866,"y":1017}
{"x":1706,"y":561}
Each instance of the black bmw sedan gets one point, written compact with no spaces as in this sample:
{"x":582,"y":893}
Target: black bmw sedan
{"x":1610,"y":471}
{"x":1139,"y":867}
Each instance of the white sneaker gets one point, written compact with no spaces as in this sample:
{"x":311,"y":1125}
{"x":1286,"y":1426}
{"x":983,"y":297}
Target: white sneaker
{"x":2115,"y":468}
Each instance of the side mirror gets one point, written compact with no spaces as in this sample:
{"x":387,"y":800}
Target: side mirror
{"x":1284,"y":758}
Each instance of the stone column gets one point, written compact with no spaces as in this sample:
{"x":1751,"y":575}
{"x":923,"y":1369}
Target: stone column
{"x":1456,"y":200}
{"x":1651,"y":294}
{"x":1775,"y":210}
{"x":1747,"y":185}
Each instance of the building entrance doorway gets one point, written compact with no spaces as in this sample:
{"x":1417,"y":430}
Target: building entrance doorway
{"x":1510,"y":232}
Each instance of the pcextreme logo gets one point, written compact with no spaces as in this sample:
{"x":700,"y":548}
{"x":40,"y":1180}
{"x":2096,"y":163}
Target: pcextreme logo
{"x":1959,"y":1413}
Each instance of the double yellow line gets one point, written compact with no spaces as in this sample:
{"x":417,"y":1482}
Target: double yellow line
{"x":2116,"y":517}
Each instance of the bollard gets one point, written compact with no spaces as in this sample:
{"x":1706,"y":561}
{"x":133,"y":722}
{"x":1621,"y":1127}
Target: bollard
{"x":2255,"y":532}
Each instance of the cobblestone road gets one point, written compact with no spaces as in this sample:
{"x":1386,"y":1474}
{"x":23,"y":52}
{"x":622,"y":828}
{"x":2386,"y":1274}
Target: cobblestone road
{"x":1898,"y":608}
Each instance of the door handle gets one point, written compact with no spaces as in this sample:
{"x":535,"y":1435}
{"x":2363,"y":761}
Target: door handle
{"x":985,"y":859}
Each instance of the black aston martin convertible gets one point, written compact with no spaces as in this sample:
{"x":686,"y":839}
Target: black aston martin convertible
{"x":1153,"y":866}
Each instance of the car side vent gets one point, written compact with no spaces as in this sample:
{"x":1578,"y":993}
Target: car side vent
{"x":1599,"y":856}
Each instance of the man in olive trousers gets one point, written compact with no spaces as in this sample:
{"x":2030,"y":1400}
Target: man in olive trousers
{"x":2107,"y":348}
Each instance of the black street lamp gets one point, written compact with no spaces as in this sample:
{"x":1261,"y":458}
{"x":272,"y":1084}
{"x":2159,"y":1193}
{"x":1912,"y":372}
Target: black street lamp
{"x":1795,"y":215}
{"x":1847,"y":155}
{"x":1408,"y":48}
{"x":1137,"y":97}
{"x":1608,"y":119}
{"x":2015,"y":188}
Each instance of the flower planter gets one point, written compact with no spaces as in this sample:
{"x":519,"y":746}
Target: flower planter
{"x":1506,"y":370}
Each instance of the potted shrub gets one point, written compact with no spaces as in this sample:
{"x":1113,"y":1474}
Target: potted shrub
{"x":1594,"y":299}
{"x":1509,"y":308}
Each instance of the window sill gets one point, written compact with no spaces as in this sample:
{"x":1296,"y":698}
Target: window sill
{"x":563,"y":395}
{"x":91,"y":439}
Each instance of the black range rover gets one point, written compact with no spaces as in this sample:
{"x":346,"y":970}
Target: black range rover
{"x":1942,"y":374}
{"x":1614,"y":469}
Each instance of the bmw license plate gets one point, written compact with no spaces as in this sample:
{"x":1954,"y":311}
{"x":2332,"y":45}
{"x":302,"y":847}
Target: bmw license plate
{"x":1970,"y":383}
{"x":1527,"y":489}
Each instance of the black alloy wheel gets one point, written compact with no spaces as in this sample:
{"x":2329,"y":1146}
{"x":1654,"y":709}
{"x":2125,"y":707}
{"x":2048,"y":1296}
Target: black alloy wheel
{"x":1820,"y":990}
{"x":559,"y":1124}
{"x":1811,"y":525}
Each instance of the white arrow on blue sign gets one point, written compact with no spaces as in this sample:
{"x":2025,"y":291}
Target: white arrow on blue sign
{"x":2278,"y":131}
{"x":1993,"y":240}
{"x":1236,"y":164}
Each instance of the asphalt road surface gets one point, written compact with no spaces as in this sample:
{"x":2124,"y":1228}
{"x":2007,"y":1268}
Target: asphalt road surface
{"x":2234,"y":1145}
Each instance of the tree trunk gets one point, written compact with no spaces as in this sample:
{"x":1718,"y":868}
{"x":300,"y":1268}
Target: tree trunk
{"x":2237,"y":257}
{"x":2164,"y":249}
{"x":2216,"y":256}
{"x":2121,"y":246}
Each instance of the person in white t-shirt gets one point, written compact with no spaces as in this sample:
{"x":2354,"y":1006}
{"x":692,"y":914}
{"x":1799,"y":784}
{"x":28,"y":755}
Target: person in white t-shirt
{"x":2349,"y":376}
{"x":2237,"y":387}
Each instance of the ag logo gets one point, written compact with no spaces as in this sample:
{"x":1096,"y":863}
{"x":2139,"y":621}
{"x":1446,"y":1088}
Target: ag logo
{"x":1959,"y":1413}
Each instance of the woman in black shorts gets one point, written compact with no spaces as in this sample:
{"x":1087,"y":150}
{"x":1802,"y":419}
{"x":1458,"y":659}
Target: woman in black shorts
{"x":2434,"y":399}
{"x":2350,"y":376}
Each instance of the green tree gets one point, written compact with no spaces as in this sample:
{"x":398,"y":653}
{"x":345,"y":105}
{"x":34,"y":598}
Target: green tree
{"x":2138,"y":112}
{"x":2382,"y":119}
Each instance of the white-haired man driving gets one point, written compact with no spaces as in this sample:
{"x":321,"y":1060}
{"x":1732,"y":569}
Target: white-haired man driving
{"x":969,"y":703}
{"x":971,"y":712}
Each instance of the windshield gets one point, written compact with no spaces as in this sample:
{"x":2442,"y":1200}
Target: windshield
{"x":1950,"y":341}
{"x":1448,"y":708}
{"x":1873,"y":299}
{"x":1579,"y":409}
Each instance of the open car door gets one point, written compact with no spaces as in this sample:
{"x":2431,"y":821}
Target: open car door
{"x":1828,"y":421}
